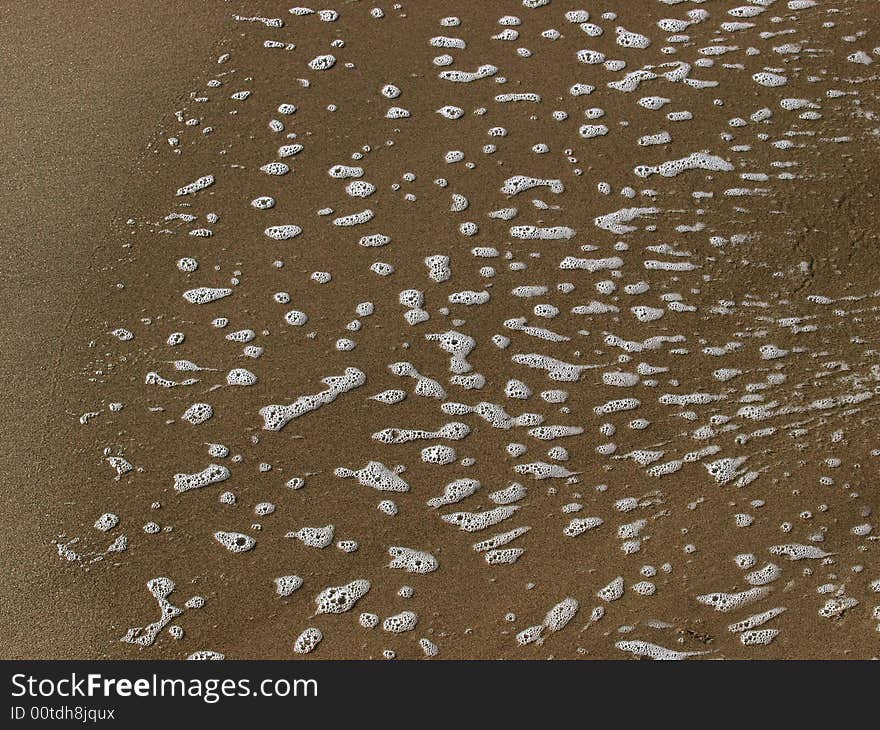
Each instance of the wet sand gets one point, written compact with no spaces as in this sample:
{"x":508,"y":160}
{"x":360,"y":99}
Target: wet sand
{"x":86,"y":86}
{"x":96,"y":218}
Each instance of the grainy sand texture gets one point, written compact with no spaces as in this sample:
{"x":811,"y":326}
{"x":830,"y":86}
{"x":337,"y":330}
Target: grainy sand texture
{"x":457,"y":330}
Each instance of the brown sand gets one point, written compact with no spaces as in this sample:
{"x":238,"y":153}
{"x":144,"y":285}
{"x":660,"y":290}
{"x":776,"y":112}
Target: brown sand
{"x":90,"y":134}
{"x":86,"y":85}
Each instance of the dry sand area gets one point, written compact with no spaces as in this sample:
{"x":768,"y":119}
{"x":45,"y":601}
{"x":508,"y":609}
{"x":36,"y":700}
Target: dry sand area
{"x":526,"y":329}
